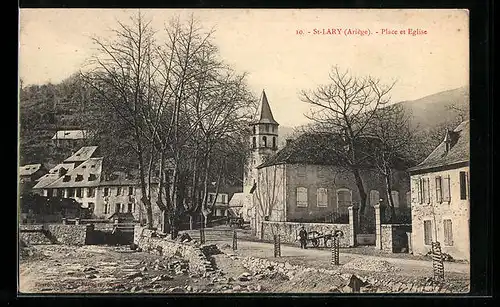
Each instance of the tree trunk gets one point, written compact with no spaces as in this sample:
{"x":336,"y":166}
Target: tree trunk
{"x":388,"y":188}
{"x":362,"y":194}
{"x":191,"y":222}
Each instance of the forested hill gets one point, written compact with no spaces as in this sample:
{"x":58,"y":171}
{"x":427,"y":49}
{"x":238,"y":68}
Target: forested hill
{"x":47,"y":108}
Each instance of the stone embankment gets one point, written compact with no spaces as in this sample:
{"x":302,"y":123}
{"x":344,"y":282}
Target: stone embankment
{"x":197,"y":255}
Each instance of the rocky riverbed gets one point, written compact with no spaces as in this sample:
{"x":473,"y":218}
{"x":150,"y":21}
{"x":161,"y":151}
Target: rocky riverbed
{"x":109,"y":269}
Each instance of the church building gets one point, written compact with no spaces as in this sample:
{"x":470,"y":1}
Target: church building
{"x":305,"y":181}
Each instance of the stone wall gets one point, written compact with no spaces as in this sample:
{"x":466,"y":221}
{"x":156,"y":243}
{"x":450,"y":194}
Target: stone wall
{"x":197,"y":255}
{"x":55,"y":234}
{"x":394,"y":237}
{"x":288,"y":231}
{"x":386,"y":234}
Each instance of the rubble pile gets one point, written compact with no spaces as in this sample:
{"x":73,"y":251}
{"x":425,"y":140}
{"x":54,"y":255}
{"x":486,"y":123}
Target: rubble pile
{"x":374,"y":265}
{"x":265,"y":269}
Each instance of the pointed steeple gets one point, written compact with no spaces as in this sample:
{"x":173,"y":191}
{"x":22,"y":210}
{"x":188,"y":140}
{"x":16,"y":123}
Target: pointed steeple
{"x":264,"y":115}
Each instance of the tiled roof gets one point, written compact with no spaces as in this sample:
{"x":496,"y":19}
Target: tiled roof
{"x":308,"y":149}
{"x":81,"y":175}
{"x":29,"y":169}
{"x":458,"y":152}
{"x":326,"y":149}
{"x":82,"y":154}
{"x":70,"y":135}
{"x":53,"y":175}
{"x":264,"y":114}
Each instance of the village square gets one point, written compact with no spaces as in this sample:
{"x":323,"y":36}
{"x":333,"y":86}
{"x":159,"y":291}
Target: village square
{"x":160,"y":165}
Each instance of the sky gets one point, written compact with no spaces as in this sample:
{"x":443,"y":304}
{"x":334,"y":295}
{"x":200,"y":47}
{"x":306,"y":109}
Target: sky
{"x":55,"y":43}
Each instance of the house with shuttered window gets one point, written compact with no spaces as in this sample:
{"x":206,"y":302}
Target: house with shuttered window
{"x":440,"y":199}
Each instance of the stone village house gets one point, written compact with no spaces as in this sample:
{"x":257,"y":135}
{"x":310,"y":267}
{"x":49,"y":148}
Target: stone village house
{"x":69,"y":138}
{"x":29,"y":175}
{"x":81,"y":177}
{"x":440,"y":199}
{"x":303,"y":182}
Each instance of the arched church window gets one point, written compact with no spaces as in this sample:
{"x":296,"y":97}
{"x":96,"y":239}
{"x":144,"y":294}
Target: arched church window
{"x":254,"y":142}
{"x":265,"y":141}
{"x":254,"y":130}
{"x":274,"y":142}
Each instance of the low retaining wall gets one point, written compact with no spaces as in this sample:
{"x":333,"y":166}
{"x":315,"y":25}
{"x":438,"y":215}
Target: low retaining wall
{"x":394,"y":237}
{"x":288,"y":231}
{"x":196,"y":255}
{"x":55,"y":234}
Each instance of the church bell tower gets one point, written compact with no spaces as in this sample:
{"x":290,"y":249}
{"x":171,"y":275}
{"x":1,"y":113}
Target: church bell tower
{"x":264,"y":141}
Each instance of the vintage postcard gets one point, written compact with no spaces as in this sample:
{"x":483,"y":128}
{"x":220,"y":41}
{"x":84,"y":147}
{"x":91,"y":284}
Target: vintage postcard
{"x":246,"y":151}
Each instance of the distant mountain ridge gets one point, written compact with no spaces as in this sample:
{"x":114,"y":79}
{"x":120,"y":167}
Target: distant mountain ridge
{"x":427,"y":112}
{"x":432,"y":111}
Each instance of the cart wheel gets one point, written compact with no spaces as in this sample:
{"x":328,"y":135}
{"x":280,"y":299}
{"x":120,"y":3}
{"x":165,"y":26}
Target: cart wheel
{"x":326,"y":242}
{"x":315,"y":242}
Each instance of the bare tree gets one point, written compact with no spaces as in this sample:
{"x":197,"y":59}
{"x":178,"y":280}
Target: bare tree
{"x":269,"y":187}
{"x":346,"y":106}
{"x":121,"y":75}
{"x":392,"y":143}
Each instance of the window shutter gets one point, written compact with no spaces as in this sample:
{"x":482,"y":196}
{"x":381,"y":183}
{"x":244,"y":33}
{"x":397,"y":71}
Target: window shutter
{"x":301,"y":197}
{"x":439,"y":191}
{"x":448,"y":232}
{"x":414,"y":191}
{"x":428,"y":197}
{"x":463,"y":185}
{"x":420,"y":191}
{"x":374,"y":197}
{"x":446,"y":189}
{"x":427,"y":232}
{"x":395,"y":198}
{"x":321,"y":197}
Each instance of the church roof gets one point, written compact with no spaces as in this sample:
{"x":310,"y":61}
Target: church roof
{"x":264,"y":113}
{"x":325,"y":149}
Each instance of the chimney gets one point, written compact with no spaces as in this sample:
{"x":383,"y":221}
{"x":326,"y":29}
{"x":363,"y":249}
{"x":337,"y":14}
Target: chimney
{"x":447,"y":141}
{"x":289,"y":141}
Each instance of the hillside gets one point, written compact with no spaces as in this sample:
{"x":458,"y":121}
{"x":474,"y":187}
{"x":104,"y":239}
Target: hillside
{"x":433,"y":111}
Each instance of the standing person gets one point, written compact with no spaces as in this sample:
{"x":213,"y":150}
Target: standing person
{"x":303,"y":237}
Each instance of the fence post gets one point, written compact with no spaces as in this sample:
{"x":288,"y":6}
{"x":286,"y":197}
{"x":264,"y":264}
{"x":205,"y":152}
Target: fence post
{"x":277,"y":246}
{"x":378,"y":226}
{"x":77,"y":221}
{"x":410,"y":247}
{"x":353,"y":224}
{"x":335,"y":251}
{"x":437,"y":261}
{"x":235,"y":240}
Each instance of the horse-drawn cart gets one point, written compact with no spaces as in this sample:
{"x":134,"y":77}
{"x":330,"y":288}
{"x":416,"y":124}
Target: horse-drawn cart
{"x":314,"y":237}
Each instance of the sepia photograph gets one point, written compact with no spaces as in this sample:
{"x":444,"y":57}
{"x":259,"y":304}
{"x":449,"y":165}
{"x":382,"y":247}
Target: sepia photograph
{"x":243,"y":151}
